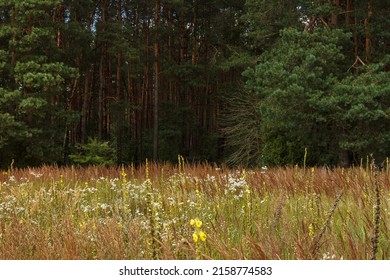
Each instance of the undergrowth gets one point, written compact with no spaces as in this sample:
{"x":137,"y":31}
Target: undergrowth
{"x":162,"y":211}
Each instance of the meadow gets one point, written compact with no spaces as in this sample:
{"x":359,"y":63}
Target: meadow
{"x":194,"y":211}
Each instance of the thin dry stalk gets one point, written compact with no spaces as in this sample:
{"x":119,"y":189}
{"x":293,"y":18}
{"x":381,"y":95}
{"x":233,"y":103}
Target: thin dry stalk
{"x":300,"y":250}
{"x":221,"y":248}
{"x":317,"y":240}
{"x":183,"y":250}
{"x":351,"y":243}
{"x":257,"y":252}
{"x":278,"y":212}
{"x":375,"y":238}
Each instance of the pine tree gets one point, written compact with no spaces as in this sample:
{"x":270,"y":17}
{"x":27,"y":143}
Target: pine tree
{"x":360,"y":112}
{"x":35,"y":83}
{"x":292,"y":82}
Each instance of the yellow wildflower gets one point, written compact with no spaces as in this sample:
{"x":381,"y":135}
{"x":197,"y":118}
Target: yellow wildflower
{"x":195,"y":237}
{"x":196,"y":223}
{"x":243,"y":174}
{"x":202,"y":236}
{"x":82,"y":226}
{"x":198,"y":234}
{"x":311,"y":231}
{"x":123,"y":175}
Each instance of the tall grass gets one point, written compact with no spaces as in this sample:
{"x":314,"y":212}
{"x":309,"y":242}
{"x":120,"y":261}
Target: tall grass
{"x":148,"y":212}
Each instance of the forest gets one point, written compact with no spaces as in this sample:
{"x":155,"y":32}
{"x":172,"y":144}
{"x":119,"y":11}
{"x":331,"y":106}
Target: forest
{"x":250,"y":83}
{"x":193,"y":129}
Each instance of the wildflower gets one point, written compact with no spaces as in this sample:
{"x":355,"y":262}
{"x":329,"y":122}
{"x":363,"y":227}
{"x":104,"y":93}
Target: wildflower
{"x":196,"y":223}
{"x":311,"y":231}
{"x":104,"y":206}
{"x":82,"y":226}
{"x":123,"y":175}
{"x":198,"y":234}
{"x":195,"y":237}
{"x":146,"y":169}
{"x":171,"y":201}
{"x":243,"y":174}
{"x":202,"y":236}
{"x":36,"y":175}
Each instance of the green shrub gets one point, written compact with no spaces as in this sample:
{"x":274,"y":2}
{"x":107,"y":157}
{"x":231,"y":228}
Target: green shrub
{"x":94,"y":152}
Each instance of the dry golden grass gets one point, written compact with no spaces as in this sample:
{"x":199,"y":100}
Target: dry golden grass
{"x":145,"y":213}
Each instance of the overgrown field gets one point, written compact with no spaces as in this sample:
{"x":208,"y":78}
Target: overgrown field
{"x":194,"y":212}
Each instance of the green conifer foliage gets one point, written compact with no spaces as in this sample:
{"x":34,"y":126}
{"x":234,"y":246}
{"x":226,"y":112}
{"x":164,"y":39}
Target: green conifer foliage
{"x":361,"y":111}
{"x":292,"y":82}
{"x":34,"y":84}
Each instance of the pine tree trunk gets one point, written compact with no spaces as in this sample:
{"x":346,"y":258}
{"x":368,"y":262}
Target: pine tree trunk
{"x":59,"y":17}
{"x":368,"y":41}
{"x":101,"y":96}
{"x":334,"y":22}
{"x":85,"y":106}
{"x":119,"y":97}
{"x":156,"y":84}
{"x":102,"y":77}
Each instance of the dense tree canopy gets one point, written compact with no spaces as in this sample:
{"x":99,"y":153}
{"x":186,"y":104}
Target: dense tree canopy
{"x":323,"y":88}
{"x":293,"y":82}
{"x":247,"y":82}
